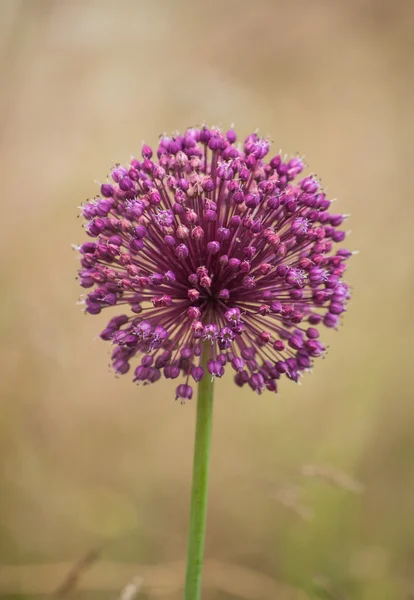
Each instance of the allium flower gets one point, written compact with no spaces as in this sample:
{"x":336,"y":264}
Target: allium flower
{"x":211,"y":243}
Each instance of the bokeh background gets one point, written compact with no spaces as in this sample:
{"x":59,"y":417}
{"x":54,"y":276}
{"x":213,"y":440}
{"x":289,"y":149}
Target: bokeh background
{"x":312,"y":491}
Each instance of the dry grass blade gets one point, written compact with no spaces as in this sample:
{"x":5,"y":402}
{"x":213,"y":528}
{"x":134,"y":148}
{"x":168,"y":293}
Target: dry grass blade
{"x":131,"y":590}
{"x":78,"y":569}
{"x":334,"y":477}
{"x":289,"y":496}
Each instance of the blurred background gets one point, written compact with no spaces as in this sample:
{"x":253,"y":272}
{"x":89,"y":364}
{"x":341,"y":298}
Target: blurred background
{"x":312,"y":491}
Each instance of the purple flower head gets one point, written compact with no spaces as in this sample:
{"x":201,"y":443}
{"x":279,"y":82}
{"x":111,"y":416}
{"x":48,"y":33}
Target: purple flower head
{"x":214,"y":245}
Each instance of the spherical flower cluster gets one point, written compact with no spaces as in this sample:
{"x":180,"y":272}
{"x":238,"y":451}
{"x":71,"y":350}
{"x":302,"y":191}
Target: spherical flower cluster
{"x":209,"y":244}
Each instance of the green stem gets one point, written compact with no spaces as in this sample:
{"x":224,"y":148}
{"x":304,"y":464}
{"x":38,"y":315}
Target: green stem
{"x":198,"y":510}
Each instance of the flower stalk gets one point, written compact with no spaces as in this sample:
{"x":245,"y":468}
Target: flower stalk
{"x":199,"y":490}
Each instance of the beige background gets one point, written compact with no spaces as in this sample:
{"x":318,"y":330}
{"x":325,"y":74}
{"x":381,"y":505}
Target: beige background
{"x":87,"y":459}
